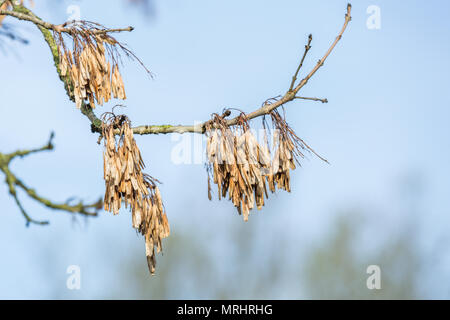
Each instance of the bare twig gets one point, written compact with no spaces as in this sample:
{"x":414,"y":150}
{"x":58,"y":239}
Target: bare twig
{"x":307,"y":47}
{"x":13,"y":183}
{"x":22,"y":153}
{"x":313,"y":99}
{"x":83,"y":209}
{"x":54,"y":27}
{"x":321,"y":62}
{"x":13,"y":193}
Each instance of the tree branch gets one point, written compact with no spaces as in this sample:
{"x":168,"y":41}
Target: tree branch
{"x":313,"y":99}
{"x":13,"y":183}
{"x":22,"y":153}
{"x":58,"y":28}
{"x":12,"y":191}
{"x":267,"y":107}
{"x":307,"y":47}
{"x":200,"y":128}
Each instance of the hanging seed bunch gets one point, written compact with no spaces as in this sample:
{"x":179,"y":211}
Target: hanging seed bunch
{"x":238,"y":164}
{"x":125,"y":182}
{"x":241,"y":166}
{"x":287,"y":149}
{"x":92,"y":62}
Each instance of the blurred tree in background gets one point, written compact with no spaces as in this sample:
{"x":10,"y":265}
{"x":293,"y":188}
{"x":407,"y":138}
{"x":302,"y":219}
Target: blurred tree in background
{"x":332,"y":270}
{"x":259,"y":260}
{"x":335,"y":270}
{"x":249,"y":268}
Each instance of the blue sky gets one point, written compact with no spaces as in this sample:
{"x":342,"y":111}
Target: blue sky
{"x":387,"y":118}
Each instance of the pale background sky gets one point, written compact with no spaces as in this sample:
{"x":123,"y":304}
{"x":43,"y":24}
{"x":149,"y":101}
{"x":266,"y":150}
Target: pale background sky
{"x":385,"y":130}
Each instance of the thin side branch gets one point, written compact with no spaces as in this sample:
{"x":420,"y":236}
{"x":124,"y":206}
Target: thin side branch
{"x":13,"y":193}
{"x":321,"y":62}
{"x":13,"y":183}
{"x":307,"y":47}
{"x":313,"y":99}
{"x":22,"y":153}
{"x":54,"y":27}
{"x":83,"y":209}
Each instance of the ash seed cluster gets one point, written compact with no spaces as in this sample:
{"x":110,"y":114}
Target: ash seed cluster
{"x":126,"y":182}
{"x":93,"y":77}
{"x":243,"y":168}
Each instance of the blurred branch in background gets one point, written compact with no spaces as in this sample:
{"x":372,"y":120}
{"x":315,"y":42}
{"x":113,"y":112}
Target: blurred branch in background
{"x":147,"y":7}
{"x":10,"y":34}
